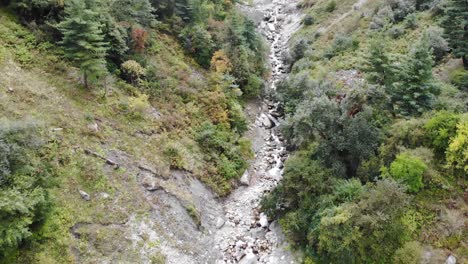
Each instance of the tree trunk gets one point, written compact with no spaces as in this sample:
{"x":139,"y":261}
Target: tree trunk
{"x":85,"y":77}
{"x":465,"y":62}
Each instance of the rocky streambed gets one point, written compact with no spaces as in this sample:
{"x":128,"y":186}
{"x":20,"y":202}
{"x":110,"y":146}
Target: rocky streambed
{"x":183,"y":222}
{"x":244,"y":234}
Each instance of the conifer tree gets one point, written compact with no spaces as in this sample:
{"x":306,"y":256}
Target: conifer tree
{"x":455,"y":24}
{"x":414,"y":89}
{"x":378,"y":63}
{"x":83,"y":37}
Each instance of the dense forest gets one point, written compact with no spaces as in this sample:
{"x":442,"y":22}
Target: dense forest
{"x":375,"y":106}
{"x":377,"y":120}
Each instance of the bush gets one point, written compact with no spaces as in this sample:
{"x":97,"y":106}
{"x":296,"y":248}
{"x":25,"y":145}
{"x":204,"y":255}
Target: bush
{"x":410,"y":253}
{"x":459,"y":78}
{"x":132,"y":71}
{"x":411,"y":21}
{"x":440,"y":129}
{"x":396,"y":31}
{"x":409,"y":170}
{"x":340,"y":44}
{"x":401,"y":8}
{"x":331,"y":6}
{"x":437,"y":42}
{"x":308,"y":20}
{"x":138,"y":106}
{"x":383,"y":17}
{"x":25,"y":177}
{"x":457,"y":152}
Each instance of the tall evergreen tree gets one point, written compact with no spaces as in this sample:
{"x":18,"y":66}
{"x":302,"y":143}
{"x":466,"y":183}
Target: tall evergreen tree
{"x":414,"y":89}
{"x":455,"y":23}
{"x":83,"y":37}
{"x":378,"y":63}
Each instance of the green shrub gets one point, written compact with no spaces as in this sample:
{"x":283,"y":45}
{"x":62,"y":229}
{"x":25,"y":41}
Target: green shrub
{"x":340,"y":44}
{"x":308,"y":20}
{"x":25,"y":177}
{"x":409,"y":170}
{"x":440,"y":129}
{"x":396,"y":31}
{"x":331,"y":6}
{"x":459,"y":78}
{"x":457,"y":152}
{"x":410,"y":253}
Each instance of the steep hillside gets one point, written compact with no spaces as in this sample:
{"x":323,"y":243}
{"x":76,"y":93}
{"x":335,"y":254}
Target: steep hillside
{"x":376,"y":116}
{"x":126,"y":156}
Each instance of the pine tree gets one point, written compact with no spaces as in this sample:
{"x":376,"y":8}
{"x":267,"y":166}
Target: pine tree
{"x":378,"y":63}
{"x":414,"y":89}
{"x":83,"y":37}
{"x":455,"y":23}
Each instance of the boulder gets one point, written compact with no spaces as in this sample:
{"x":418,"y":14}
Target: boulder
{"x":451,"y":260}
{"x":266,"y":122}
{"x":84,"y":195}
{"x":245,"y":179}
{"x":263,"y":220}
{"x":219,"y":222}
{"x":250,"y":258}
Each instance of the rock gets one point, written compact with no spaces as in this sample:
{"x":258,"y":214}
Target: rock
{"x":239,"y":254}
{"x":219,"y":222}
{"x":150,"y":184}
{"x":250,"y":258}
{"x":10,"y":90}
{"x":84,"y":195}
{"x":241,"y":244}
{"x":93,"y":127}
{"x":104,"y":195}
{"x":266,"y":122}
{"x":451,"y":260}
{"x":245,"y":179}
{"x":271,"y":27}
{"x":263,"y":220}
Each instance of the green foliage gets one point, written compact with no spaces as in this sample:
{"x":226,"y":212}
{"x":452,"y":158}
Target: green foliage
{"x":199,"y":43}
{"x":457,"y":152}
{"x":413,"y":89}
{"x":378,"y":68}
{"x":308,"y":20}
{"x":133,"y":71}
{"x":226,"y":152}
{"x":133,"y":11}
{"x":459,"y":78}
{"x":408,"y":170}
{"x":342,"y":127}
{"x":437,"y":42}
{"x":440,"y":129}
{"x":341,"y":43}
{"x":24,"y":180}
{"x":410,"y":253}
{"x":331,"y":6}
{"x":350,"y":233}
{"x":454,"y":23}
{"x":83,"y":38}
{"x":246,"y":51}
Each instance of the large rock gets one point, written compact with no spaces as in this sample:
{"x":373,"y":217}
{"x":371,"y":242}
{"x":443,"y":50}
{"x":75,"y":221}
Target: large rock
{"x":250,"y":258}
{"x":245,"y":179}
{"x":451,"y":260}
{"x":266,"y":122}
{"x":263,"y":220}
{"x":219,"y":222}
